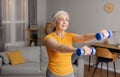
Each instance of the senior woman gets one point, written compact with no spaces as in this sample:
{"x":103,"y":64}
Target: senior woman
{"x":59,"y":46}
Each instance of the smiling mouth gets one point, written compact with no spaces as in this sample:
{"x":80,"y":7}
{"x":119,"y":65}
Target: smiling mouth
{"x":64,"y":25}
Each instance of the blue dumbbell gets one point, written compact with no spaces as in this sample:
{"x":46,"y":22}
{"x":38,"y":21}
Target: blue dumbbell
{"x":99,"y":36}
{"x":81,"y":52}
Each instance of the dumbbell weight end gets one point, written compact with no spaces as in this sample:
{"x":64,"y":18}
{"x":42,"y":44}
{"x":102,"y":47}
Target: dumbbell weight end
{"x":110,"y":33}
{"x":99,"y":36}
{"x":80,"y":52}
{"x":93,"y":51}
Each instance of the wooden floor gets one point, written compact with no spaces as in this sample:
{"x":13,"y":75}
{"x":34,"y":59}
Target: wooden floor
{"x":97,"y":73}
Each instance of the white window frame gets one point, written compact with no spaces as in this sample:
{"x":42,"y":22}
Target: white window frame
{"x":12,"y":22}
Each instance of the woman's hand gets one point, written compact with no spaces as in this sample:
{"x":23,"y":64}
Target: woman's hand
{"x":87,"y":50}
{"x":105,"y":33}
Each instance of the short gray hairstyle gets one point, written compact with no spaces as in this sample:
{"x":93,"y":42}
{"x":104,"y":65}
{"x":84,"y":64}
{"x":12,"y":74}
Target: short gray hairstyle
{"x":57,"y":14}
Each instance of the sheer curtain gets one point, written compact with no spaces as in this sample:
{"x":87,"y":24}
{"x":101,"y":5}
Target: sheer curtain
{"x":2,"y":42}
{"x":32,"y":14}
{"x":15,"y":21}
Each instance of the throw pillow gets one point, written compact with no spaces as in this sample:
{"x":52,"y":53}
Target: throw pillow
{"x":4,"y":57}
{"x":15,"y":57}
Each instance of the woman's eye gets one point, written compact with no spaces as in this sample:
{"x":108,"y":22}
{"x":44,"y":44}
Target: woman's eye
{"x":61,"y":20}
{"x":67,"y":20}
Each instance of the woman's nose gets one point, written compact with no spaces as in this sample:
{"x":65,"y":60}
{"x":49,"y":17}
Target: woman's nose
{"x":64,"y":21}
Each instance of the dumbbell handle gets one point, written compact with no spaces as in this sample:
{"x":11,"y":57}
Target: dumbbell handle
{"x":80,"y":51}
{"x":99,"y":36}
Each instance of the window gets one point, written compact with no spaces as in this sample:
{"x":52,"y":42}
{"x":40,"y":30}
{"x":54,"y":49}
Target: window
{"x":14,"y":20}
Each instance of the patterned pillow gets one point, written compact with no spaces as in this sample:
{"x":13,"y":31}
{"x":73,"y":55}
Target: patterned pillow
{"x":5,"y":58}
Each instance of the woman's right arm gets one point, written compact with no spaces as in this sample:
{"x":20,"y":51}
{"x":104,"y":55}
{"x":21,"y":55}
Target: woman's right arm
{"x":55,"y":46}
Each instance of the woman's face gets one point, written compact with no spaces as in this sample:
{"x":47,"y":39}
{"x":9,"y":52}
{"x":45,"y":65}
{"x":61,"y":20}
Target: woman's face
{"x":62,"y":22}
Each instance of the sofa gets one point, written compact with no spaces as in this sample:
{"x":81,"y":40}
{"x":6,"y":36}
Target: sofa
{"x":35,"y":65}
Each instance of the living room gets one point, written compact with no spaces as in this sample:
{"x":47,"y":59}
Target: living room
{"x":85,"y":17}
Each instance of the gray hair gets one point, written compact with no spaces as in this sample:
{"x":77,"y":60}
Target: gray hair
{"x":55,"y":17}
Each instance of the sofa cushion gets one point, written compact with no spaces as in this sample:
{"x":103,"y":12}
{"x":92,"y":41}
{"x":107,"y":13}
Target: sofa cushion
{"x":27,"y":68}
{"x":29,"y":53}
{"x":44,"y":60}
{"x":4,"y":57}
{"x":15,"y":57}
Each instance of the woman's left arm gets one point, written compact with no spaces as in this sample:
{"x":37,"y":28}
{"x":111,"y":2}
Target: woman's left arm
{"x":89,"y":37}
{"x":84,"y":38}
